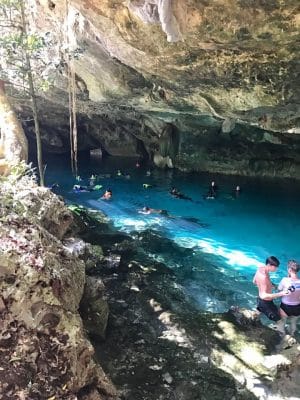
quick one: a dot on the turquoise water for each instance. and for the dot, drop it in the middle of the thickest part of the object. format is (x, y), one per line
(215, 255)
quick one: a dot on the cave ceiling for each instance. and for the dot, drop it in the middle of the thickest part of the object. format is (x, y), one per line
(197, 64)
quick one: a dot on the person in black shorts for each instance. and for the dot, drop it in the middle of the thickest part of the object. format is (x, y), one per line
(265, 287)
(290, 304)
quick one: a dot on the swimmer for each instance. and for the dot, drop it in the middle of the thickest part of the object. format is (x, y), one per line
(147, 210)
(80, 189)
(92, 180)
(265, 287)
(119, 173)
(176, 193)
(148, 173)
(97, 187)
(107, 195)
(212, 191)
(137, 164)
(290, 303)
(147, 186)
(237, 191)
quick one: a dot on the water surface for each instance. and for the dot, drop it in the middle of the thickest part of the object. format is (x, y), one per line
(214, 246)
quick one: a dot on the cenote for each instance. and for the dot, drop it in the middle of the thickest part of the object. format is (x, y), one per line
(213, 246)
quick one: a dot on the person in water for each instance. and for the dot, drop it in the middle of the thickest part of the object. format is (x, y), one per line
(265, 298)
(107, 195)
(176, 193)
(236, 192)
(212, 191)
(290, 303)
(147, 185)
(92, 180)
(81, 189)
(147, 210)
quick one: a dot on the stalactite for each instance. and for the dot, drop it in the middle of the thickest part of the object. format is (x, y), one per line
(169, 141)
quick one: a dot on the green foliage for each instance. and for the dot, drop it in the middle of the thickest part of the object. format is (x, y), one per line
(22, 169)
(33, 43)
(10, 4)
(17, 172)
(18, 40)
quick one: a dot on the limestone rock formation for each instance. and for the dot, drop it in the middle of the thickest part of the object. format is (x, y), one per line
(143, 64)
(13, 142)
(43, 347)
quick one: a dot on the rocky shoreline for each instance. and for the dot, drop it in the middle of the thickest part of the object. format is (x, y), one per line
(152, 343)
(159, 346)
(44, 351)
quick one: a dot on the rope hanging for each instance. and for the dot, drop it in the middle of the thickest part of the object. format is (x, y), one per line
(72, 99)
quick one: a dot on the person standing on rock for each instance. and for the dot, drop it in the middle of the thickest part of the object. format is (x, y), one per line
(265, 299)
(290, 304)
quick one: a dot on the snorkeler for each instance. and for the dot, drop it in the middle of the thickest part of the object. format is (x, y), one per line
(147, 210)
(81, 189)
(237, 191)
(212, 191)
(92, 180)
(176, 193)
(96, 187)
(147, 185)
(107, 195)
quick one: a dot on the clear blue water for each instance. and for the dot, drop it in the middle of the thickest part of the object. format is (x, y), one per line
(215, 263)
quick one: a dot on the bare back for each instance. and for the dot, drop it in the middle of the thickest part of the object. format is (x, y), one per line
(263, 282)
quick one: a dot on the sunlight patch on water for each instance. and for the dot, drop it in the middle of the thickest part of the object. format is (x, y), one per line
(232, 257)
(127, 224)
